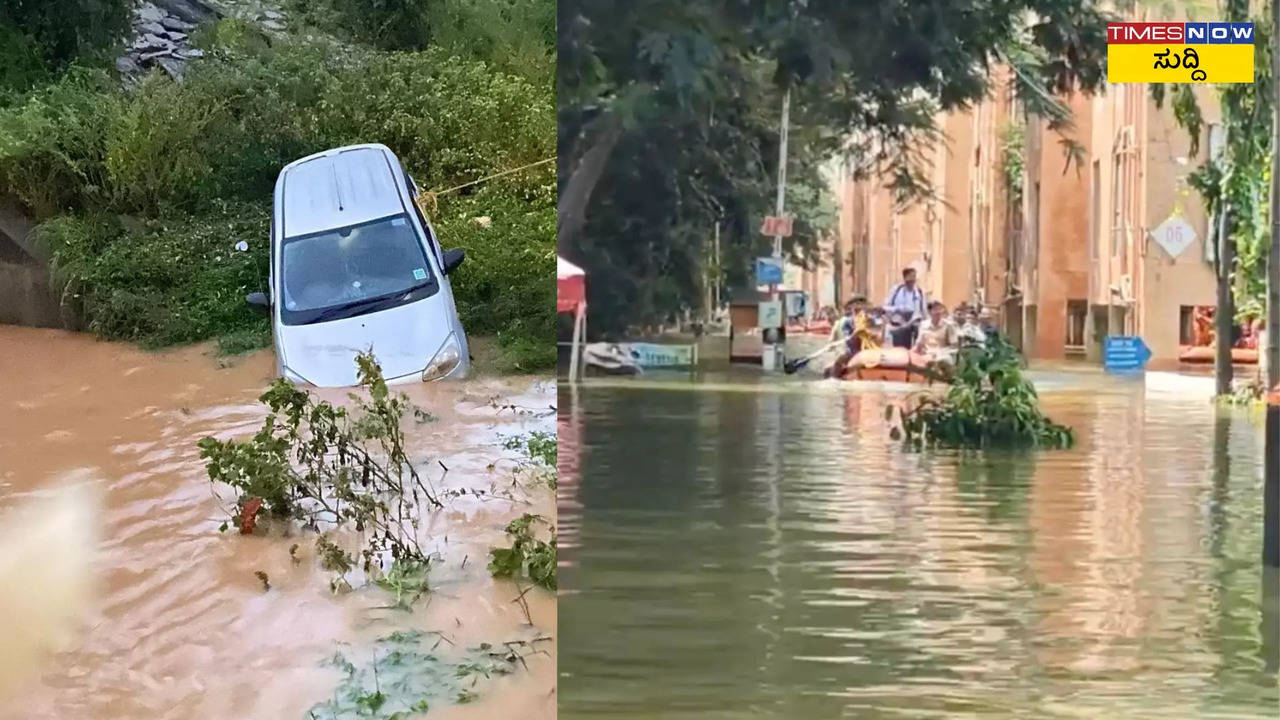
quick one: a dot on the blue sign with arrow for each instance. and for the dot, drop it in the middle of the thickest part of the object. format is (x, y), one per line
(1125, 354)
(768, 271)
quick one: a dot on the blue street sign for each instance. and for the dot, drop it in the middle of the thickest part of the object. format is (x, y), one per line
(1125, 353)
(768, 271)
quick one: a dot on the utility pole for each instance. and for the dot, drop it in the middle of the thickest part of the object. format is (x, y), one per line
(1222, 370)
(773, 350)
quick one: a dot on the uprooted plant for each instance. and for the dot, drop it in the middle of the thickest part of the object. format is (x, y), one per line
(528, 555)
(539, 456)
(990, 404)
(330, 468)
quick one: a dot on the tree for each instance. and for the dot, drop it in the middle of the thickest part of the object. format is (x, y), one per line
(1236, 186)
(674, 105)
(64, 29)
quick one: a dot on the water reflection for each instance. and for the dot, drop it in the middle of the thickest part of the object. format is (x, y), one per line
(772, 554)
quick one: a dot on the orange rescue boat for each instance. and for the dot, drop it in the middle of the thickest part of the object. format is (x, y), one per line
(892, 364)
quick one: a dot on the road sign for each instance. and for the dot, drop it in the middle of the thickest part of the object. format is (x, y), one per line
(1125, 353)
(1175, 235)
(768, 271)
(775, 226)
(770, 314)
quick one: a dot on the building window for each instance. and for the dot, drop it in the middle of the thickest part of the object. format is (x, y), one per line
(1077, 313)
(1186, 324)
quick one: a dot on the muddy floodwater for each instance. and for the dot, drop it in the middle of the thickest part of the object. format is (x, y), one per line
(179, 626)
(737, 548)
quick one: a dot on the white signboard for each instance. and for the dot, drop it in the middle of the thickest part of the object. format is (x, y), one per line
(1175, 235)
(796, 304)
(656, 356)
(770, 314)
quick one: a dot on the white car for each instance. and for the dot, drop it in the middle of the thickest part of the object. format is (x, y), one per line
(355, 266)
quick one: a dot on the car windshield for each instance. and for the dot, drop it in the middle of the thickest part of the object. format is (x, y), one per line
(354, 270)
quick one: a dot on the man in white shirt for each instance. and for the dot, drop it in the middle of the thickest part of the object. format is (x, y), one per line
(906, 300)
(938, 336)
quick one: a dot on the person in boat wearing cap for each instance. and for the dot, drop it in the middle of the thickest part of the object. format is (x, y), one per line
(858, 329)
(906, 309)
(938, 336)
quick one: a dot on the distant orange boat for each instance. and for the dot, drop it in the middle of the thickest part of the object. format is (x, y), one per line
(1205, 354)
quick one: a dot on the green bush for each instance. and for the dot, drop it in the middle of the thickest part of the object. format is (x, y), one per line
(989, 404)
(507, 287)
(165, 282)
(196, 163)
(516, 36)
(63, 30)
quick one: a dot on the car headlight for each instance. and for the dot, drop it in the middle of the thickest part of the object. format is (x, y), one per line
(445, 361)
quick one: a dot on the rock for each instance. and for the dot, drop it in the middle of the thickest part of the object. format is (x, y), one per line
(154, 42)
(175, 36)
(147, 58)
(152, 28)
(192, 11)
(174, 66)
(272, 15)
(273, 25)
(126, 65)
(150, 13)
(190, 53)
(173, 23)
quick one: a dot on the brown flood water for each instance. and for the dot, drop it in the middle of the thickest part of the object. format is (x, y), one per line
(178, 625)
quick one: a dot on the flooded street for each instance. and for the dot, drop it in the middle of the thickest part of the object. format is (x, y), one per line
(736, 549)
(180, 626)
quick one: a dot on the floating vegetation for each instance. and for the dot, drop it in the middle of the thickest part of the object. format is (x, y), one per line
(528, 555)
(409, 673)
(539, 450)
(990, 404)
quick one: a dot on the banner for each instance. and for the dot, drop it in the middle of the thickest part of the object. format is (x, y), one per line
(650, 355)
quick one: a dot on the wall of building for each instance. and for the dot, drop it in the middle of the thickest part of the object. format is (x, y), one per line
(1060, 232)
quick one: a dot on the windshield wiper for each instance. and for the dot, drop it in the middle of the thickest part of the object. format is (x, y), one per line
(361, 307)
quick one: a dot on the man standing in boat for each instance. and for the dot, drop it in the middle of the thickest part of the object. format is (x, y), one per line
(906, 308)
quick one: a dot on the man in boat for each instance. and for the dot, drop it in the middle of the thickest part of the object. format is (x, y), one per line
(906, 309)
(967, 326)
(859, 331)
(938, 337)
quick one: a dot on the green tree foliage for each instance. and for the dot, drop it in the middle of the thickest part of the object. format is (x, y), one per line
(144, 193)
(1239, 180)
(669, 115)
(53, 33)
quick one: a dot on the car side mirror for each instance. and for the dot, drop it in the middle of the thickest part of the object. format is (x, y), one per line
(258, 299)
(453, 257)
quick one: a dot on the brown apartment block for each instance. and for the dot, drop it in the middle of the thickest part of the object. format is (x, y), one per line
(1071, 248)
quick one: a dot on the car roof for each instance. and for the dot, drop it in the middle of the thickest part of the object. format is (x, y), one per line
(337, 188)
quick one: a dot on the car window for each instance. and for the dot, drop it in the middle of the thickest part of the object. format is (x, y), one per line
(352, 267)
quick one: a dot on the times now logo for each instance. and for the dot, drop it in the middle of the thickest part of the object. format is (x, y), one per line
(1149, 33)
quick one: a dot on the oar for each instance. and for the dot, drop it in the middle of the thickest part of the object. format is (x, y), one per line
(793, 365)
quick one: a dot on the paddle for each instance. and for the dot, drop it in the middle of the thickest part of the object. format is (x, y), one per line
(791, 366)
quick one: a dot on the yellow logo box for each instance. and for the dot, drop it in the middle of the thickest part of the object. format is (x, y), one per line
(1178, 63)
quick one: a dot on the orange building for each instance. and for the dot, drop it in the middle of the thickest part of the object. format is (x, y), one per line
(1115, 243)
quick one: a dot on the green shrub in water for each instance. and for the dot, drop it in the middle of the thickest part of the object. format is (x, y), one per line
(989, 404)
(194, 164)
(527, 555)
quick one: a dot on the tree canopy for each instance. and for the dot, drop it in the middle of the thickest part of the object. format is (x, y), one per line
(669, 117)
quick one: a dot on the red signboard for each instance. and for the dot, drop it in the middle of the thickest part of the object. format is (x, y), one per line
(776, 227)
